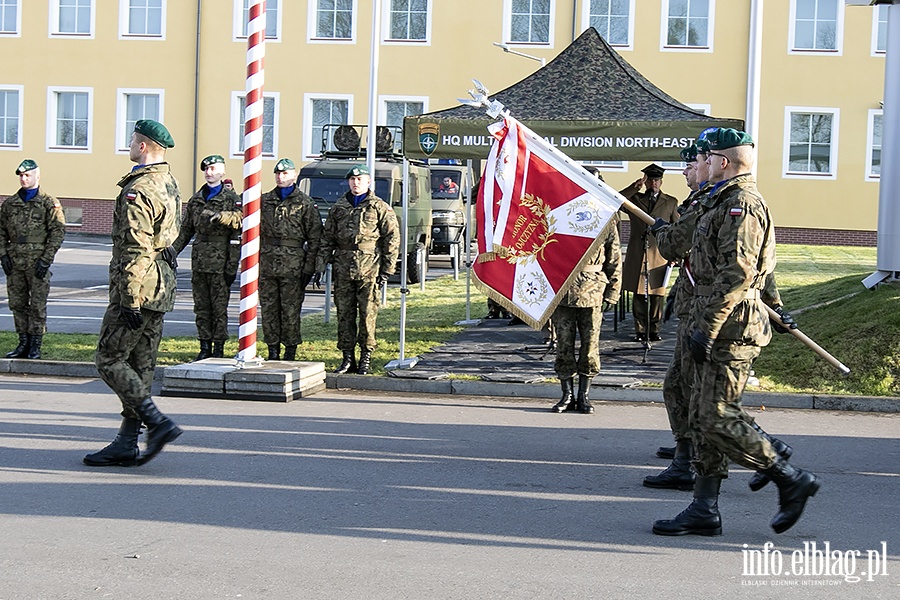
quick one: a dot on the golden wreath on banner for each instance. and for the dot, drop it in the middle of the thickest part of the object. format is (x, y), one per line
(543, 223)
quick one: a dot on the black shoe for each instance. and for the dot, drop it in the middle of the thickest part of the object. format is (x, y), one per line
(348, 364)
(654, 337)
(583, 401)
(123, 451)
(516, 321)
(760, 479)
(678, 475)
(795, 487)
(290, 353)
(34, 347)
(365, 359)
(566, 401)
(638, 337)
(218, 350)
(160, 430)
(666, 452)
(701, 517)
(274, 351)
(205, 350)
(20, 351)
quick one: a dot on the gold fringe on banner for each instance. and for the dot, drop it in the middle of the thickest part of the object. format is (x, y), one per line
(487, 257)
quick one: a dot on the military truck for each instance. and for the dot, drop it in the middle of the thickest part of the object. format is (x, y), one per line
(325, 181)
(451, 205)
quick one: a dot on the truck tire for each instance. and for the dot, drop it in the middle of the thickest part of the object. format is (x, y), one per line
(412, 268)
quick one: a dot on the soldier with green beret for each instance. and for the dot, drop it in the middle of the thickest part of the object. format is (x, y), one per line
(731, 260)
(212, 218)
(290, 231)
(146, 219)
(32, 228)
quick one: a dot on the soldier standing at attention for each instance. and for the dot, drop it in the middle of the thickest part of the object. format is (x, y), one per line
(732, 257)
(213, 219)
(362, 242)
(146, 219)
(32, 227)
(290, 232)
(595, 290)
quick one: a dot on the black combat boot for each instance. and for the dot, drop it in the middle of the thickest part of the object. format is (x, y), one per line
(584, 391)
(34, 346)
(795, 487)
(760, 479)
(160, 430)
(290, 352)
(123, 452)
(678, 475)
(218, 350)
(667, 452)
(20, 351)
(701, 517)
(566, 402)
(205, 350)
(348, 365)
(365, 359)
(274, 351)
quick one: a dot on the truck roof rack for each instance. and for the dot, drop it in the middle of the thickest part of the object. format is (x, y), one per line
(349, 141)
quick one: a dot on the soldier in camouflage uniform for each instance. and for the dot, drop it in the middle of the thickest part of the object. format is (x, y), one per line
(362, 242)
(594, 291)
(146, 219)
(32, 227)
(290, 232)
(732, 255)
(213, 219)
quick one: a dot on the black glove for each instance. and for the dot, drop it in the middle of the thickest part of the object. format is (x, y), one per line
(230, 276)
(606, 305)
(7, 264)
(657, 225)
(169, 255)
(700, 346)
(40, 268)
(786, 318)
(305, 278)
(132, 317)
(381, 280)
(317, 280)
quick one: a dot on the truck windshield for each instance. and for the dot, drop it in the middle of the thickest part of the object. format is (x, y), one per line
(444, 184)
(325, 191)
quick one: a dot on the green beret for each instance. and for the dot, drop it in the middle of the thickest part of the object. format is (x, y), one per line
(722, 139)
(653, 171)
(357, 171)
(285, 164)
(689, 153)
(156, 131)
(702, 146)
(212, 159)
(25, 166)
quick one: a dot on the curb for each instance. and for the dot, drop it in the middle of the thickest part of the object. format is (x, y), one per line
(530, 391)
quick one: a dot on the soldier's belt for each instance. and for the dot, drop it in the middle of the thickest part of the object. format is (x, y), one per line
(593, 269)
(202, 237)
(282, 242)
(707, 290)
(364, 246)
(29, 239)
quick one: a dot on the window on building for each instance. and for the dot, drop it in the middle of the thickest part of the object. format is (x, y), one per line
(678, 165)
(334, 19)
(395, 110)
(143, 17)
(71, 119)
(9, 16)
(880, 34)
(873, 160)
(408, 20)
(812, 142)
(529, 21)
(72, 17)
(688, 24)
(816, 25)
(325, 111)
(273, 16)
(10, 115)
(612, 19)
(131, 107)
(269, 131)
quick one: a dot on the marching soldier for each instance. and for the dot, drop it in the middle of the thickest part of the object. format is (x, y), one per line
(362, 242)
(213, 219)
(32, 227)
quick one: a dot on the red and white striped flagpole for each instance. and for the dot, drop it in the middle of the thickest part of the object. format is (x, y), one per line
(253, 116)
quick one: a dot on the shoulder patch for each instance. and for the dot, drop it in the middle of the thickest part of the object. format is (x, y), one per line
(736, 211)
(130, 195)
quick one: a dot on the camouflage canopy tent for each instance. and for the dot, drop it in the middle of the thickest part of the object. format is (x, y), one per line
(588, 101)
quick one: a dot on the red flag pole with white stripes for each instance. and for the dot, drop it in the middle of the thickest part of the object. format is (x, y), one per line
(253, 116)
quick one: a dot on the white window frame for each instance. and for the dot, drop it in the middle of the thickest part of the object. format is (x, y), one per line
(54, 22)
(870, 135)
(586, 22)
(386, 38)
(875, 19)
(52, 111)
(237, 33)
(664, 32)
(312, 38)
(18, 30)
(383, 102)
(839, 34)
(122, 113)
(124, 13)
(21, 90)
(308, 115)
(507, 28)
(833, 154)
(237, 120)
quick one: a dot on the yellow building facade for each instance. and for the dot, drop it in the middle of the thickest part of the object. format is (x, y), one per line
(77, 73)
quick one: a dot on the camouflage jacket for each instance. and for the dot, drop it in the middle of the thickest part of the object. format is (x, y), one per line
(212, 252)
(146, 220)
(601, 277)
(363, 241)
(31, 230)
(732, 256)
(290, 233)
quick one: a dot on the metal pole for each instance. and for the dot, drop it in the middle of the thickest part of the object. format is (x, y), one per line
(470, 181)
(373, 91)
(402, 362)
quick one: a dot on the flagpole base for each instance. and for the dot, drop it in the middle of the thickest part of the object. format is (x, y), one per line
(406, 363)
(468, 322)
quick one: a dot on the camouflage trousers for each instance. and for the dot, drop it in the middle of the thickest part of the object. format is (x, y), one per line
(28, 300)
(126, 358)
(586, 322)
(640, 308)
(211, 296)
(721, 429)
(280, 300)
(356, 298)
(678, 383)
